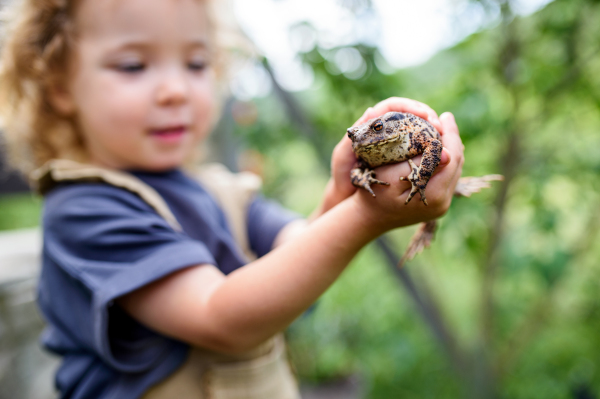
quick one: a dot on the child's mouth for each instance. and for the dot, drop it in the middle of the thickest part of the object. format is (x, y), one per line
(170, 134)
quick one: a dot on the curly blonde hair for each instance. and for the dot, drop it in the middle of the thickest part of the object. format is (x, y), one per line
(37, 45)
(36, 49)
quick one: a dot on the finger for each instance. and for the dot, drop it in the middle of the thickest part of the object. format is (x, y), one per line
(365, 117)
(400, 104)
(449, 122)
(445, 158)
(343, 161)
(343, 151)
(415, 107)
(432, 116)
(396, 104)
(453, 147)
(451, 138)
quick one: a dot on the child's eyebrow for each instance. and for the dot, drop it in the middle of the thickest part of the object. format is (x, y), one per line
(201, 43)
(140, 44)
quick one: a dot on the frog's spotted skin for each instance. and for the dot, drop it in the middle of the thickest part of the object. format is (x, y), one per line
(392, 138)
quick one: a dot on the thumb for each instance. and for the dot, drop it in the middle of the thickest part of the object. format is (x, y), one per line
(365, 117)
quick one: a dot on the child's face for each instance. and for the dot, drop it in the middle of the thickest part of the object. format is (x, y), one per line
(141, 87)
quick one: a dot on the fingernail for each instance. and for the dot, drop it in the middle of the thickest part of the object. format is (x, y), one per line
(360, 120)
(448, 115)
(445, 160)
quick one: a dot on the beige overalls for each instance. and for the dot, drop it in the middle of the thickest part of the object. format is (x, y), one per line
(263, 373)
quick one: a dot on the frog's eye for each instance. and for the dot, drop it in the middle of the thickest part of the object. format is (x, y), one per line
(378, 126)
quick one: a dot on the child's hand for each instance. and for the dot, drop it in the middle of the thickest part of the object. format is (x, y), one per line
(343, 158)
(388, 209)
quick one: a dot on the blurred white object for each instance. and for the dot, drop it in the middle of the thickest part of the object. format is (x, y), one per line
(20, 254)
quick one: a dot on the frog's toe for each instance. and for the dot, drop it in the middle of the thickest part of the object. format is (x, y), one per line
(367, 187)
(412, 193)
(364, 179)
(372, 180)
(416, 188)
(420, 240)
(418, 184)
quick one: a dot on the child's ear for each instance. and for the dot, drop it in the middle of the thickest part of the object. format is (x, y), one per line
(61, 100)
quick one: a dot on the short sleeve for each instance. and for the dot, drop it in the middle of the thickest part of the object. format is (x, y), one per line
(109, 243)
(265, 219)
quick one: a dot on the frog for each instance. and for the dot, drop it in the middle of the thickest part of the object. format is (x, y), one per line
(397, 137)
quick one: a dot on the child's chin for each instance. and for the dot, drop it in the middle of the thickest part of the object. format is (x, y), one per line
(162, 165)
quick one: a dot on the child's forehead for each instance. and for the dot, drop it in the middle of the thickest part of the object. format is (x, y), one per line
(143, 18)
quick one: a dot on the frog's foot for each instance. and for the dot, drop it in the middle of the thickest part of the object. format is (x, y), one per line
(471, 185)
(417, 181)
(363, 178)
(419, 241)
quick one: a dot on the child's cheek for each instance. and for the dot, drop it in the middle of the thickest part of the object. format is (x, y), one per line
(205, 103)
(126, 108)
(108, 99)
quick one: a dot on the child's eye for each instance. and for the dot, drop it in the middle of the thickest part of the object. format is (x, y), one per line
(197, 65)
(133, 67)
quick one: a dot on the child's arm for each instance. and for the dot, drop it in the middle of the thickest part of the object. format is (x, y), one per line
(234, 313)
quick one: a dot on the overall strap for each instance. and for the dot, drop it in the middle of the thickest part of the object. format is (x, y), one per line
(60, 170)
(234, 193)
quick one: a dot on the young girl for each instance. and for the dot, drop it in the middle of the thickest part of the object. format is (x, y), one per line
(142, 284)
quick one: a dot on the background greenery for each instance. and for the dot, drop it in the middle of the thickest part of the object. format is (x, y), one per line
(513, 276)
(19, 211)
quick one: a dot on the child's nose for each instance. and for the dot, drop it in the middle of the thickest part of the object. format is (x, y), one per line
(173, 89)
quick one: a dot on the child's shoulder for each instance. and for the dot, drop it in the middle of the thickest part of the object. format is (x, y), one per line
(79, 191)
(85, 204)
(90, 195)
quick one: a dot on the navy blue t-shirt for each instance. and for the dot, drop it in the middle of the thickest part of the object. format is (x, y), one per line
(101, 242)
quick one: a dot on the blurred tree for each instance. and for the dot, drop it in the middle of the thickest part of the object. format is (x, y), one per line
(510, 288)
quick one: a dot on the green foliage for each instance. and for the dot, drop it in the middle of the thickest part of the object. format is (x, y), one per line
(19, 211)
(526, 96)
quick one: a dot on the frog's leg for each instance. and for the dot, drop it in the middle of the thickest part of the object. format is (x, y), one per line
(419, 241)
(419, 176)
(470, 185)
(363, 177)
